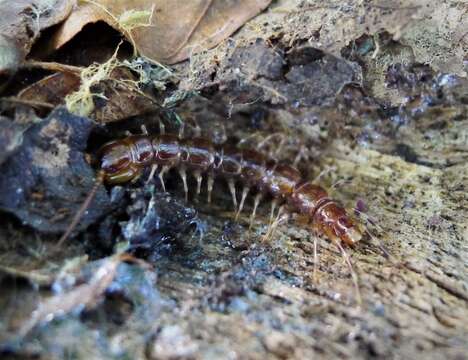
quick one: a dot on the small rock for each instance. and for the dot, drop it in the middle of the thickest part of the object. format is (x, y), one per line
(47, 179)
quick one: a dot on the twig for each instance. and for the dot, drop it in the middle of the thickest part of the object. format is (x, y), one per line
(53, 66)
(32, 103)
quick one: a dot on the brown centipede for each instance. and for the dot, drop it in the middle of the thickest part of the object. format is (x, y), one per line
(126, 159)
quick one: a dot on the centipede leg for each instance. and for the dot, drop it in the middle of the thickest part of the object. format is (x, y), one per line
(351, 270)
(272, 210)
(299, 156)
(181, 130)
(280, 217)
(269, 138)
(280, 147)
(154, 167)
(161, 176)
(270, 222)
(196, 129)
(198, 178)
(183, 176)
(209, 186)
(248, 140)
(232, 189)
(257, 199)
(245, 191)
(162, 128)
(323, 173)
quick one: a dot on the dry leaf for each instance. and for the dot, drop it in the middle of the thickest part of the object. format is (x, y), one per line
(21, 24)
(120, 101)
(163, 31)
(110, 100)
(219, 22)
(167, 34)
(51, 89)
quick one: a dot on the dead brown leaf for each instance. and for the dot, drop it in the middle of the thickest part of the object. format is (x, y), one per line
(121, 101)
(51, 89)
(21, 23)
(163, 31)
(165, 36)
(219, 21)
(115, 102)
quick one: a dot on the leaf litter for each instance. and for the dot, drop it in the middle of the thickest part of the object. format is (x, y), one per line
(371, 111)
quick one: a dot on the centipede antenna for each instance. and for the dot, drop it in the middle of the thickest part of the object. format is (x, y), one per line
(154, 167)
(232, 189)
(198, 178)
(374, 239)
(209, 186)
(368, 219)
(161, 176)
(380, 246)
(257, 199)
(245, 191)
(79, 214)
(183, 176)
(280, 146)
(351, 270)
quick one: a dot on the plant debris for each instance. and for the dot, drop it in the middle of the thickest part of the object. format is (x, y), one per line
(86, 296)
(181, 29)
(21, 24)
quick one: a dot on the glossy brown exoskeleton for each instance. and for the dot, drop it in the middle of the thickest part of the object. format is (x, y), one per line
(125, 160)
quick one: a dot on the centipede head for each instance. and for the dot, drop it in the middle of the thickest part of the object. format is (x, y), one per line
(116, 163)
(338, 226)
(350, 231)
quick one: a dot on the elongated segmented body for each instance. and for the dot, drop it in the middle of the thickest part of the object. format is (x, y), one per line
(125, 160)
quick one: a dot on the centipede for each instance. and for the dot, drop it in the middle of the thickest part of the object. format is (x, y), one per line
(126, 159)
